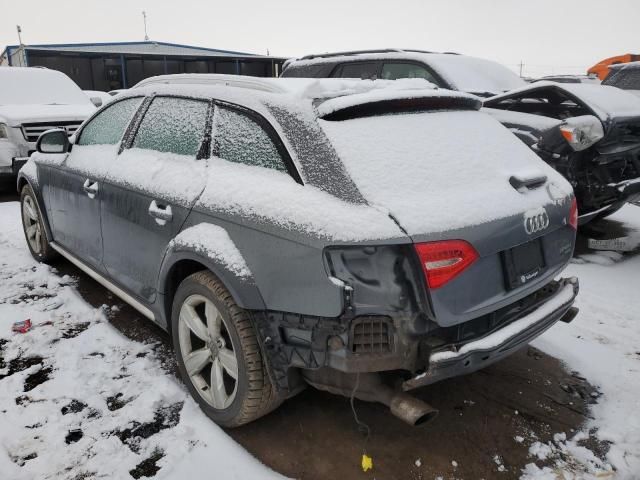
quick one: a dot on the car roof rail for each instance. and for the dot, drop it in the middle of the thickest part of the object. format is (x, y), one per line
(352, 52)
(364, 52)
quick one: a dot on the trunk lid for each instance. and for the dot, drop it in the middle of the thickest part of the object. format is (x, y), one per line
(446, 175)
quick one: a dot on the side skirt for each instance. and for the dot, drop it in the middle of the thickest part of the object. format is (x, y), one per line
(104, 282)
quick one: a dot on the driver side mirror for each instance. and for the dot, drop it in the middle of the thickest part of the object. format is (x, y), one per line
(53, 141)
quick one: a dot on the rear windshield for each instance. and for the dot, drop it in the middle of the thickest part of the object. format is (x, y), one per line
(438, 170)
(31, 86)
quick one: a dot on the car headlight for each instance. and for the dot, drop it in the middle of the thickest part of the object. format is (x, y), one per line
(3, 131)
(582, 132)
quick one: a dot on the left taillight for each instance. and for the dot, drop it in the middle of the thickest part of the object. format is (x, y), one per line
(573, 214)
(445, 260)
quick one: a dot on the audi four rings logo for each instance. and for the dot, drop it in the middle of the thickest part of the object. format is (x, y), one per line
(535, 222)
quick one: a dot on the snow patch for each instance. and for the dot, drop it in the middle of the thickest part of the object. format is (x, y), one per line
(74, 371)
(214, 242)
(274, 197)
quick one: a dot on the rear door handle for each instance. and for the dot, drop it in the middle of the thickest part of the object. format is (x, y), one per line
(162, 213)
(90, 188)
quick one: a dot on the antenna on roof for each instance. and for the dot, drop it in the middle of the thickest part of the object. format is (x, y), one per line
(144, 16)
(19, 36)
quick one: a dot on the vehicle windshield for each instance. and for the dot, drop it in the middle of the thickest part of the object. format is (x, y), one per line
(475, 75)
(34, 86)
(625, 78)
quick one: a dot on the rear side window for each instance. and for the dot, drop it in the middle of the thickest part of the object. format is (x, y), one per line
(107, 127)
(361, 70)
(173, 125)
(394, 71)
(238, 138)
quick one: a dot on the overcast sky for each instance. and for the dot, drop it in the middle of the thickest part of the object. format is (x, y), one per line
(548, 36)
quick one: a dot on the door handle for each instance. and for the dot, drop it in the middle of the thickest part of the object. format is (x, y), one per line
(91, 188)
(162, 213)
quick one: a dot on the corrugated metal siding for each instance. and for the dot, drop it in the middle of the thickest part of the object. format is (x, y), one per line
(143, 48)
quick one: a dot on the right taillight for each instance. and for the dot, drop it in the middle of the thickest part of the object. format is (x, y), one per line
(573, 214)
(443, 261)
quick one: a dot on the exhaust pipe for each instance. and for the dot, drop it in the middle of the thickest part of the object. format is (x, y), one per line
(411, 410)
(369, 388)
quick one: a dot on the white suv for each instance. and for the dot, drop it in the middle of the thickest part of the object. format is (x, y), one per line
(33, 100)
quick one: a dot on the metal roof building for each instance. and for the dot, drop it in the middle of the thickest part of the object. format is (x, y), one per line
(110, 66)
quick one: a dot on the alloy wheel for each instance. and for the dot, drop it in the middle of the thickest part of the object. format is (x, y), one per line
(207, 351)
(31, 224)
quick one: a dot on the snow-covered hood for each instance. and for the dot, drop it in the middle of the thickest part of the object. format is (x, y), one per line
(605, 102)
(15, 115)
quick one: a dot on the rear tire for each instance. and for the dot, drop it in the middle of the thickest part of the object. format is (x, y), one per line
(214, 339)
(33, 227)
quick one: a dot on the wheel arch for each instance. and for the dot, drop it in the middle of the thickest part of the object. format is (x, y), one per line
(22, 181)
(179, 264)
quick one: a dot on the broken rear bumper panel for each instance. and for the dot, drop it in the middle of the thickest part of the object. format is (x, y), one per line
(482, 352)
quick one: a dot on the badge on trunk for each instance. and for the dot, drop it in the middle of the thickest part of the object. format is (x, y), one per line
(536, 220)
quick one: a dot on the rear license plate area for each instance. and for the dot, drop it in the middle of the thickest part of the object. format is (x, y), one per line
(523, 264)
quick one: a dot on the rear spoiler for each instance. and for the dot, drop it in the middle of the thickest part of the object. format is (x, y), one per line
(379, 102)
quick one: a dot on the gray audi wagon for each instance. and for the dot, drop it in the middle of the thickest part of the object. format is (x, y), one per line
(359, 237)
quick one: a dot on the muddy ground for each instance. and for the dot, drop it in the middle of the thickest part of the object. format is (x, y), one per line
(487, 419)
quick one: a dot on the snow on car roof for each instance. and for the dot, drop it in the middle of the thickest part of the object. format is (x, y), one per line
(328, 94)
(405, 89)
(463, 72)
(604, 100)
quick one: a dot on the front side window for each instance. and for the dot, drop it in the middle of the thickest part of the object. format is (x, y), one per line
(173, 125)
(361, 70)
(238, 138)
(108, 126)
(394, 71)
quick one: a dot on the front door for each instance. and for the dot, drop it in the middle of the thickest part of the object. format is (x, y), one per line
(150, 189)
(73, 187)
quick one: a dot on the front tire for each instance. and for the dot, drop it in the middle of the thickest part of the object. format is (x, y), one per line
(33, 227)
(218, 353)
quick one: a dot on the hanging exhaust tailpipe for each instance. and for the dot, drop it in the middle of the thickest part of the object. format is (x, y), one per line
(411, 410)
(369, 388)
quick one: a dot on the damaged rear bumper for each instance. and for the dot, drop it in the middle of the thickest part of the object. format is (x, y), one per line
(482, 352)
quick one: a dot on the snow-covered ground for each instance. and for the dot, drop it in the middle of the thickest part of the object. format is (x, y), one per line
(108, 407)
(603, 345)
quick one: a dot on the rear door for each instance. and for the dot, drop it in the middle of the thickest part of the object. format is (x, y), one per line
(73, 187)
(150, 189)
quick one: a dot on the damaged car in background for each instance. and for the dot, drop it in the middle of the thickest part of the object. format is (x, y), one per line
(258, 221)
(589, 133)
(594, 142)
